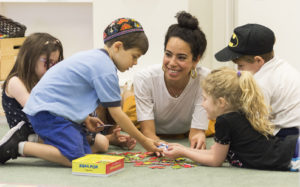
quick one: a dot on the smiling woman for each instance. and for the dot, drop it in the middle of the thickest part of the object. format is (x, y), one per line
(168, 97)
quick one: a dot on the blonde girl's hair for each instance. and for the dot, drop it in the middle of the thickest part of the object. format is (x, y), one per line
(241, 92)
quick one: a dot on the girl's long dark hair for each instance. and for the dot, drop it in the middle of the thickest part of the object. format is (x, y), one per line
(34, 46)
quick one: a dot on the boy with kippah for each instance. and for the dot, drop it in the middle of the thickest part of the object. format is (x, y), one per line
(70, 91)
(251, 48)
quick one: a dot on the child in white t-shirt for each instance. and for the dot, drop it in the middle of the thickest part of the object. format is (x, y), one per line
(251, 48)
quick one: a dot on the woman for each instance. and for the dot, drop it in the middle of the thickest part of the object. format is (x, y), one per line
(168, 98)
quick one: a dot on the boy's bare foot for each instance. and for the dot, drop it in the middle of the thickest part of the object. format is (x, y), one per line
(121, 140)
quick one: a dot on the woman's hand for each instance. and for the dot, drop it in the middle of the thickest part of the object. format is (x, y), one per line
(197, 139)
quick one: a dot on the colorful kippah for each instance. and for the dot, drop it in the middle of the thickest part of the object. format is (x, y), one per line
(120, 27)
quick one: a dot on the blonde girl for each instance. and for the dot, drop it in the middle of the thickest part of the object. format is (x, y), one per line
(243, 132)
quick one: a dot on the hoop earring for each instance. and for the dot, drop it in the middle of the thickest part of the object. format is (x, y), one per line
(193, 73)
(163, 68)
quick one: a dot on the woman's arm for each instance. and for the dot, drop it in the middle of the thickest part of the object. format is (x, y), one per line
(212, 157)
(148, 129)
(199, 123)
(16, 89)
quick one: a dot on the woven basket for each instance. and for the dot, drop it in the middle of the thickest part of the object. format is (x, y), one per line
(11, 28)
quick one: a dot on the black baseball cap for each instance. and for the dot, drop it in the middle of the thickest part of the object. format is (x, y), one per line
(249, 39)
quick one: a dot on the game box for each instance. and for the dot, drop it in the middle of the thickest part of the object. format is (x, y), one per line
(97, 165)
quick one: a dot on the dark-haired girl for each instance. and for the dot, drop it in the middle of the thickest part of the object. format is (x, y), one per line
(39, 52)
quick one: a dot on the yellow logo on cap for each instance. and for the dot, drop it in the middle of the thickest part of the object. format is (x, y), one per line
(234, 41)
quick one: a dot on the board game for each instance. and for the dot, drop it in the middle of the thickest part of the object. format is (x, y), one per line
(97, 165)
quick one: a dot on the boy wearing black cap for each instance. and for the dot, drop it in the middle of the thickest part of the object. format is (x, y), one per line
(67, 94)
(251, 48)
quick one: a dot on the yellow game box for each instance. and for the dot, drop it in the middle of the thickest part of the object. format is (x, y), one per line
(97, 165)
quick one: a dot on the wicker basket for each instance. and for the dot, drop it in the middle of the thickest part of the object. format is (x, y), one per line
(11, 28)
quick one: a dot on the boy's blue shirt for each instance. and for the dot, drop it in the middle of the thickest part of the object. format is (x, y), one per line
(76, 86)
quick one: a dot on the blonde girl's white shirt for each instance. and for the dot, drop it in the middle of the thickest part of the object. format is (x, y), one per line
(171, 115)
(280, 83)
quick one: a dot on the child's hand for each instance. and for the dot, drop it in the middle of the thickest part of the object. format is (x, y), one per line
(130, 143)
(122, 140)
(151, 145)
(176, 144)
(160, 142)
(94, 124)
(174, 151)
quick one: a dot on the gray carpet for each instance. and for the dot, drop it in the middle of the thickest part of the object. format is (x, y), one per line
(29, 172)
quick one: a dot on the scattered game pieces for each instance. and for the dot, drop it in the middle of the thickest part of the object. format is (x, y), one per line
(157, 167)
(147, 159)
(176, 166)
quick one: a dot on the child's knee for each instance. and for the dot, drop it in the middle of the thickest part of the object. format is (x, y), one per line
(101, 144)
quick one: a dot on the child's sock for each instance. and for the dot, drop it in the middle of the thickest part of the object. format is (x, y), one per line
(21, 148)
(33, 138)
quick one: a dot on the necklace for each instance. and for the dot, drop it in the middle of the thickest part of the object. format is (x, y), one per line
(175, 93)
(173, 89)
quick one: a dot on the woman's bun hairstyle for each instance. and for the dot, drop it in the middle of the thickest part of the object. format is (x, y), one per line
(188, 30)
(187, 20)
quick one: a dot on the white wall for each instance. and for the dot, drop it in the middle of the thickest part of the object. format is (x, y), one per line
(283, 17)
(155, 16)
(80, 25)
(222, 27)
(202, 11)
(72, 23)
